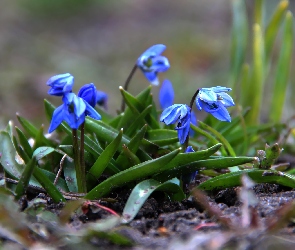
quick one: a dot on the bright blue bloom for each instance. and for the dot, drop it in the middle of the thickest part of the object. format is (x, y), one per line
(60, 84)
(89, 94)
(166, 94)
(73, 111)
(101, 98)
(181, 114)
(188, 178)
(215, 101)
(194, 122)
(151, 62)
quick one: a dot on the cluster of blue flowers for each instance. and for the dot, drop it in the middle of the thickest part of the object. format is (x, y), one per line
(213, 100)
(74, 107)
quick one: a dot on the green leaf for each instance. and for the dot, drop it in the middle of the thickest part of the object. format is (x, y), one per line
(230, 151)
(104, 159)
(108, 134)
(136, 172)
(259, 12)
(138, 121)
(48, 186)
(70, 174)
(41, 152)
(39, 138)
(283, 70)
(239, 39)
(127, 116)
(24, 180)
(131, 159)
(259, 176)
(33, 131)
(162, 137)
(143, 190)
(137, 105)
(8, 154)
(257, 79)
(273, 27)
(133, 146)
(24, 142)
(216, 163)
(211, 138)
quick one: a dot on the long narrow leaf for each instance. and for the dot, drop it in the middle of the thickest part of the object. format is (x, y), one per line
(257, 175)
(282, 72)
(143, 190)
(142, 170)
(239, 39)
(104, 159)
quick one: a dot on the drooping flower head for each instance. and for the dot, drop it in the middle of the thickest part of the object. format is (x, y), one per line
(89, 94)
(151, 62)
(60, 84)
(166, 94)
(181, 114)
(215, 101)
(72, 111)
(188, 178)
(102, 99)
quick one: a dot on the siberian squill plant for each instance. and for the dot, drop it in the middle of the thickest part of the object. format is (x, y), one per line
(94, 153)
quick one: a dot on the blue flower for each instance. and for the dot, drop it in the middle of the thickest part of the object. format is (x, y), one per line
(89, 94)
(101, 98)
(188, 178)
(181, 114)
(215, 101)
(166, 94)
(151, 62)
(73, 111)
(60, 84)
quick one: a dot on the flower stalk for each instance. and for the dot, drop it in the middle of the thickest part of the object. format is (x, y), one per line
(80, 174)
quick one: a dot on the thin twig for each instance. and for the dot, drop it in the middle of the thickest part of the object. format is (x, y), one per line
(60, 169)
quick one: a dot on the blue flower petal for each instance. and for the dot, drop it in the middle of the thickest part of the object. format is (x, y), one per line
(92, 112)
(189, 149)
(219, 89)
(166, 94)
(57, 118)
(207, 95)
(101, 98)
(159, 64)
(154, 50)
(226, 99)
(222, 114)
(60, 84)
(152, 77)
(171, 114)
(209, 107)
(88, 93)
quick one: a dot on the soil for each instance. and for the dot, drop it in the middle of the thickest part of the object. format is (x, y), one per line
(161, 224)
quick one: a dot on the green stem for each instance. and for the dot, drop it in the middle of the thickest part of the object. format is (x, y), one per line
(79, 171)
(127, 84)
(82, 159)
(191, 107)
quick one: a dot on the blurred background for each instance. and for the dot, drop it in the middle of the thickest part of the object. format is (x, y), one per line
(99, 41)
